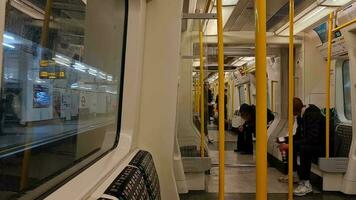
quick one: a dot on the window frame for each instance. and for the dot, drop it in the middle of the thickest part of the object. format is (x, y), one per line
(63, 176)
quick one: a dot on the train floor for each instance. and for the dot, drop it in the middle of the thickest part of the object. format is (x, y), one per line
(240, 177)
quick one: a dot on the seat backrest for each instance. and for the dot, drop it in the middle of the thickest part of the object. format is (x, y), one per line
(144, 162)
(129, 185)
(344, 134)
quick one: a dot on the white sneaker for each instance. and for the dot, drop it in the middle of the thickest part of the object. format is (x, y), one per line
(303, 189)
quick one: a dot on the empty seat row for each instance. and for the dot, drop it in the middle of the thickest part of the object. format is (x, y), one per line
(138, 180)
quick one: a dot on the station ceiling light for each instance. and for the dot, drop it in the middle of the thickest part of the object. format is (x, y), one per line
(314, 13)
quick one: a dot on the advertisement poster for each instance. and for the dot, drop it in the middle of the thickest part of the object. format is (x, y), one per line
(41, 98)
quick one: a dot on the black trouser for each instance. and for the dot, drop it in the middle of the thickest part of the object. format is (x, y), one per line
(306, 154)
(244, 141)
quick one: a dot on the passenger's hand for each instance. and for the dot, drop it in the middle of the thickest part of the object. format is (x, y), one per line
(241, 128)
(283, 147)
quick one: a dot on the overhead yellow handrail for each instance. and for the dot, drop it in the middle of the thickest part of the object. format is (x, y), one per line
(327, 105)
(202, 91)
(221, 101)
(344, 25)
(261, 98)
(290, 99)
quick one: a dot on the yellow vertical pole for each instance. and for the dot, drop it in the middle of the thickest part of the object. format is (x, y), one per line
(221, 102)
(202, 105)
(327, 107)
(46, 21)
(290, 99)
(44, 41)
(261, 100)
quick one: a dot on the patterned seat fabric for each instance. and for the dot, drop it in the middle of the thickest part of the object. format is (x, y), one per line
(143, 160)
(129, 185)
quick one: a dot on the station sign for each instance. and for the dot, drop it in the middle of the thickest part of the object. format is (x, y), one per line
(50, 70)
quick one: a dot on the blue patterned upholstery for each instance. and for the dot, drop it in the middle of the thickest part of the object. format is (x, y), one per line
(129, 185)
(144, 162)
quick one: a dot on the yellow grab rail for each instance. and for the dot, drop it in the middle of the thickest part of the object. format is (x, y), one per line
(327, 105)
(221, 101)
(290, 99)
(261, 98)
(344, 25)
(202, 105)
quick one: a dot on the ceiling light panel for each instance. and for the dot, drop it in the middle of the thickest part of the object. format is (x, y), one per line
(211, 28)
(228, 2)
(305, 20)
(333, 2)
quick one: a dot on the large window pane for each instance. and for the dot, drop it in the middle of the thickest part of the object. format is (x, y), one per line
(60, 96)
(347, 89)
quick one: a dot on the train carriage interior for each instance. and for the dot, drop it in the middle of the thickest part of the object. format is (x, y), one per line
(169, 99)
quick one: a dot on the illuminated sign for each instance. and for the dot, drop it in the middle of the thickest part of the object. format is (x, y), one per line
(49, 70)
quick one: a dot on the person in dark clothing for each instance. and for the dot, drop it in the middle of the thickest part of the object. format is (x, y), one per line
(225, 103)
(207, 104)
(248, 129)
(308, 141)
(210, 104)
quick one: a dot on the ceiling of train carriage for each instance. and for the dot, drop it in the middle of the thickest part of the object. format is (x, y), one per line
(238, 15)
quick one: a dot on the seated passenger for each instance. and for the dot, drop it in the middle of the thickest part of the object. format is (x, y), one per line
(248, 129)
(309, 142)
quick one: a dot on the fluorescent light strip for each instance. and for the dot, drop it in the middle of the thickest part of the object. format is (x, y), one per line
(62, 63)
(8, 45)
(62, 58)
(8, 37)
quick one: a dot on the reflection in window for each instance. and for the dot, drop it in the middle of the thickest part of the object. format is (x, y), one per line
(347, 89)
(241, 95)
(60, 98)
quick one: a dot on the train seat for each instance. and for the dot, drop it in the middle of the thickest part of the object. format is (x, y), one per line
(129, 185)
(144, 162)
(338, 161)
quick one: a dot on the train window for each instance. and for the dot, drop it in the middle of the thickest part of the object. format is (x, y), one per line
(347, 89)
(61, 91)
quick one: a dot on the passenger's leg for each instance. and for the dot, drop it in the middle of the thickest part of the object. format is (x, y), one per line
(306, 156)
(240, 141)
(248, 142)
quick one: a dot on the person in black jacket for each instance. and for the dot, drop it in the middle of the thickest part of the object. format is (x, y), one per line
(248, 129)
(309, 142)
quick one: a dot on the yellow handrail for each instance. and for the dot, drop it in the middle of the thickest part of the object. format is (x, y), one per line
(327, 106)
(221, 102)
(261, 98)
(344, 25)
(202, 105)
(290, 99)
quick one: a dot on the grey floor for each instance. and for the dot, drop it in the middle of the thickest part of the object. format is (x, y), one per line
(240, 176)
